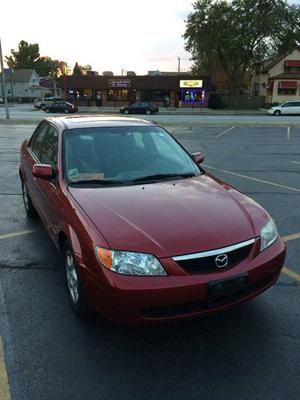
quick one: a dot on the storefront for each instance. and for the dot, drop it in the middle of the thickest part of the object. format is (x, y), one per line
(192, 92)
(161, 90)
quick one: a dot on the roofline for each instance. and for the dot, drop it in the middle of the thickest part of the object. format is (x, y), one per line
(279, 58)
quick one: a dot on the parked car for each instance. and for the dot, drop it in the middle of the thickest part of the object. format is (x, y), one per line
(139, 108)
(288, 107)
(60, 107)
(147, 235)
(46, 101)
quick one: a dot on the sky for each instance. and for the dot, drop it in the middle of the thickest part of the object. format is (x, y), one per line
(136, 35)
(109, 35)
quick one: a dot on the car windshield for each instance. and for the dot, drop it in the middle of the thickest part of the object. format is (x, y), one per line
(124, 155)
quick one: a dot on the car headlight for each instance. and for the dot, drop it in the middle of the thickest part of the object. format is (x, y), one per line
(130, 263)
(268, 235)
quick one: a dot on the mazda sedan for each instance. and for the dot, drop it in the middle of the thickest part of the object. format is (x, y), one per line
(147, 235)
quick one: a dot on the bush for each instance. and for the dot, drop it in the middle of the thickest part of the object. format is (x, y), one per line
(215, 102)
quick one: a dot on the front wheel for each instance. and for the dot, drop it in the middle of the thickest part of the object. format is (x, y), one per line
(126, 112)
(74, 285)
(277, 113)
(47, 110)
(28, 205)
(148, 112)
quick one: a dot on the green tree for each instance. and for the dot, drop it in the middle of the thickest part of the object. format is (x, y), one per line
(235, 36)
(28, 56)
(25, 57)
(77, 70)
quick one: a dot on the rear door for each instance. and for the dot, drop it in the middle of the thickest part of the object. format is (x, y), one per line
(287, 108)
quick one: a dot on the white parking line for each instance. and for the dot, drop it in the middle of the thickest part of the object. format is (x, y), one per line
(296, 162)
(14, 234)
(222, 133)
(288, 132)
(4, 386)
(254, 179)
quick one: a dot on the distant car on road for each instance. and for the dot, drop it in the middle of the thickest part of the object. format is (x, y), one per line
(61, 107)
(46, 101)
(139, 108)
(147, 234)
(286, 108)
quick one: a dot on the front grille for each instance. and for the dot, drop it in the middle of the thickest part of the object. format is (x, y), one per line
(205, 264)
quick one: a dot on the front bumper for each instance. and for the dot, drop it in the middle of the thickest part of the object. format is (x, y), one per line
(144, 300)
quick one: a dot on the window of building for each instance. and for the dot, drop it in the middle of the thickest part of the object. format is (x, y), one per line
(289, 92)
(117, 95)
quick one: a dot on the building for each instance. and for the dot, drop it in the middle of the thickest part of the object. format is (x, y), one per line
(279, 79)
(23, 84)
(174, 90)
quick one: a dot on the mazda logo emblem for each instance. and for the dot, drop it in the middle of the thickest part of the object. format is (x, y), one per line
(221, 260)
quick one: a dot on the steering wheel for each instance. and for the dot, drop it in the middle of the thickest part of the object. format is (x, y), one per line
(150, 156)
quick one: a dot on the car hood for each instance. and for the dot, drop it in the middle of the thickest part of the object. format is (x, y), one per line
(171, 218)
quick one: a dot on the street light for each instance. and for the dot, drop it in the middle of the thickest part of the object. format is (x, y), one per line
(3, 83)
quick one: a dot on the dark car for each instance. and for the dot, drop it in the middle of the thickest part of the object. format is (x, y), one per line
(139, 108)
(60, 107)
(147, 235)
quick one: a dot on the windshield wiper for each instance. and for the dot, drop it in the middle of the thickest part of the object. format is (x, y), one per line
(155, 177)
(96, 182)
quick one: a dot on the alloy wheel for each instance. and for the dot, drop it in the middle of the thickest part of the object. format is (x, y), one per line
(72, 278)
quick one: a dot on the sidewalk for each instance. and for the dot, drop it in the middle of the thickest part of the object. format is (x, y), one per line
(176, 111)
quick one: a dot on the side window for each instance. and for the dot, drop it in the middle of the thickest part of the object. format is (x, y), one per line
(37, 139)
(49, 151)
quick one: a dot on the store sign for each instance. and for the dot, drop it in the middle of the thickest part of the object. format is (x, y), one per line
(191, 83)
(119, 83)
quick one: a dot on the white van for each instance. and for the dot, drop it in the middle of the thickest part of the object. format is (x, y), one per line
(288, 107)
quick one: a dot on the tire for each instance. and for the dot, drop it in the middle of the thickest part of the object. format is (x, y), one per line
(277, 113)
(126, 112)
(74, 285)
(148, 112)
(66, 111)
(47, 110)
(28, 205)
(43, 106)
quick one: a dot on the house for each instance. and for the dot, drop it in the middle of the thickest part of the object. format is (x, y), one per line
(279, 79)
(23, 84)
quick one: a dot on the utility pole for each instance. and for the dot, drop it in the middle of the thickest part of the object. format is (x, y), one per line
(179, 65)
(3, 85)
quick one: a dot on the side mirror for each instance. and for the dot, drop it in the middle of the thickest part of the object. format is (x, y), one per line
(43, 171)
(198, 158)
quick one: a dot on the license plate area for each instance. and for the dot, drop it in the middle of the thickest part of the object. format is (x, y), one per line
(225, 290)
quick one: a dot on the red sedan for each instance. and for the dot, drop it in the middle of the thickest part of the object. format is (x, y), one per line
(147, 235)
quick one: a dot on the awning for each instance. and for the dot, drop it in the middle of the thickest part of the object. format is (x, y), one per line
(292, 63)
(287, 85)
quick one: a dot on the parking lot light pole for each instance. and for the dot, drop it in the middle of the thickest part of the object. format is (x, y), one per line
(3, 83)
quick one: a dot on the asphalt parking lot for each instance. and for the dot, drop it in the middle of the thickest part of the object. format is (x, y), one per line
(251, 352)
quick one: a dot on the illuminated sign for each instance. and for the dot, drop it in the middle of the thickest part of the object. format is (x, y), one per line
(119, 83)
(191, 83)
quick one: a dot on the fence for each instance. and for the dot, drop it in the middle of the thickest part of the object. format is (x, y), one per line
(243, 101)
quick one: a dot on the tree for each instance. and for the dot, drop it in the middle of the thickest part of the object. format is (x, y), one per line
(81, 69)
(235, 36)
(28, 56)
(25, 57)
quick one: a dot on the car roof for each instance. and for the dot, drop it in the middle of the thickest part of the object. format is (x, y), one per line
(97, 121)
